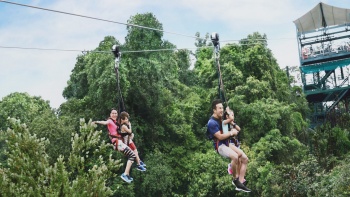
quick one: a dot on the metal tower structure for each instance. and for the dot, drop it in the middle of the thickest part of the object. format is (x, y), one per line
(323, 36)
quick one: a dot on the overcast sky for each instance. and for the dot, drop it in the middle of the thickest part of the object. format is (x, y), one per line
(45, 73)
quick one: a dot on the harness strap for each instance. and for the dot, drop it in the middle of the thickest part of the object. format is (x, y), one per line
(115, 143)
(114, 136)
(217, 145)
(125, 134)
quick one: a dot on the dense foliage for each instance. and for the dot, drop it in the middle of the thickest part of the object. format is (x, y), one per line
(61, 153)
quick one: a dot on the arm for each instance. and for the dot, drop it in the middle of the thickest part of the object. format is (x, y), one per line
(126, 129)
(231, 116)
(101, 122)
(224, 136)
(235, 126)
(228, 120)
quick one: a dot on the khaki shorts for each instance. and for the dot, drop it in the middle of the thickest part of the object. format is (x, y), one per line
(226, 151)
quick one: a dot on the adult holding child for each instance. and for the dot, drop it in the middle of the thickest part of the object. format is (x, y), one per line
(220, 141)
(118, 144)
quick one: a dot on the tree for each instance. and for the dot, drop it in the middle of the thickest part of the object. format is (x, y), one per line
(77, 85)
(186, 74)
(206, 175)
(90, 164)
(334, 183)
(160, 168)
(267, 156)
(205, 69)
(27, 170)
(143, 39)
(57, 131)
(92, 88)
(329, 144)
(21, 106)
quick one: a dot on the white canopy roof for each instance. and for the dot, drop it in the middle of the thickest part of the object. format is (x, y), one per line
(322, 15)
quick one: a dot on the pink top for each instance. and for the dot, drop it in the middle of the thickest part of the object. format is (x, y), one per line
(112, 128)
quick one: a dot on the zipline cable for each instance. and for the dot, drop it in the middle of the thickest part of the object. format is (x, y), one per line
(99, 19)
(95, 51)
(257, 39)
(40, 49)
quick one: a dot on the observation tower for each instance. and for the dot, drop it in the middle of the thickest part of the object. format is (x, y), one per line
(323, 36)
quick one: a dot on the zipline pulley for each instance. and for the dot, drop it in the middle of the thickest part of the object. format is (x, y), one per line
(117, 54)
(215, 40)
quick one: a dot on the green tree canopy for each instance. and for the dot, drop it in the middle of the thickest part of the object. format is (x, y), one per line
(27, 171)
(21, 106)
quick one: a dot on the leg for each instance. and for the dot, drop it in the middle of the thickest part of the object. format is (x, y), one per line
(137, 157)
(241, 170)
(239, 167)
(244, 162)
(131, 158)
(227, 152)
(138, 160)
(133, 148)
(239, 153)
(244, 165)
(128, 166)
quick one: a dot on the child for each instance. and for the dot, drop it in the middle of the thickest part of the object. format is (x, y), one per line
(227, 125)
(126, 132)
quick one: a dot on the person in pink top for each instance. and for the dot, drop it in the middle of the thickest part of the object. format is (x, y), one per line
(118, 144)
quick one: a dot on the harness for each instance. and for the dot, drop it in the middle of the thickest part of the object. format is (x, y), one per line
(124, 134)
(233, 139)
(118, 137)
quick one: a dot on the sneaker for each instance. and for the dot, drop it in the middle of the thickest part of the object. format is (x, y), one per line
(142, 164)
(141, 168)
(237, 189)
(229, 169)
(130, 178)
(240, 186)
(126, 178)
(245, 182)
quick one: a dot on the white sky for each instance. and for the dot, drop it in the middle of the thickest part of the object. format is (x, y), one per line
(45, 73)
